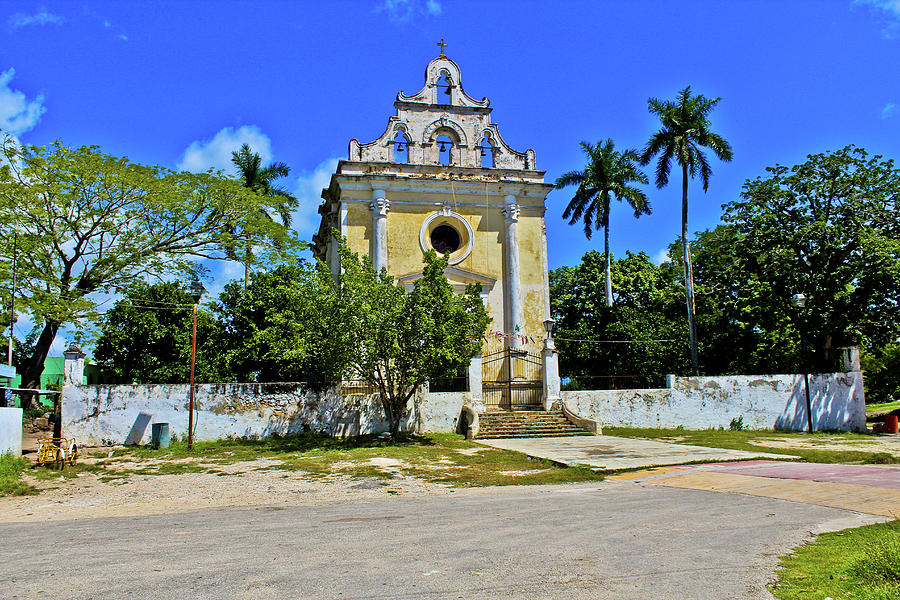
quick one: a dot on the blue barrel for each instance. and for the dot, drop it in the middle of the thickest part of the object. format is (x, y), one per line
(159, 435)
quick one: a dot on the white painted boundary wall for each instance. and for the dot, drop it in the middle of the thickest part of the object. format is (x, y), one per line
(11, 431)
(103, 415)
(764, 402)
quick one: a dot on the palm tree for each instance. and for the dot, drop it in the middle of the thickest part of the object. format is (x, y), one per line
(685, 130)
(259, 179)
(606, 175)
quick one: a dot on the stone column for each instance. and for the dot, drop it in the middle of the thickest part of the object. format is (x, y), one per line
(475, 387)
(73, 365)
(380, 207)
(849, 359)
(551, 374)
(514, 320)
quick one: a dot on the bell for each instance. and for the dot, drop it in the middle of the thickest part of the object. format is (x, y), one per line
(399, 147)
(443, 149)
(447, 91)
(482, 152)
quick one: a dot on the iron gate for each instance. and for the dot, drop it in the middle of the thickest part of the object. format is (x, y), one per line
(512, 379)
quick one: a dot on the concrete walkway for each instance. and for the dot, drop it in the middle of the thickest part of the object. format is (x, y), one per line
(870, 489)
(610, 453)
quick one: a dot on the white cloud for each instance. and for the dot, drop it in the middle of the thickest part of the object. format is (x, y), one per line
(308, 191)
(107, 24)
(17, 113)
(42, 17)
(216, 152)
(122, 37)
(660, 257)
(401, 11)
(890, 109)
(889, 10)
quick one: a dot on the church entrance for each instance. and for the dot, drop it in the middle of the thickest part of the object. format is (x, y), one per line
(512, 379)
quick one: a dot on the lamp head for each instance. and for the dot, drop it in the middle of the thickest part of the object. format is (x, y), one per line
(798, 300)
(197, 290)
(548, 326)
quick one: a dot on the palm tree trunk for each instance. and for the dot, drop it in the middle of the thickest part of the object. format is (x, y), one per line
(247, 258)
(688, 272)
(609, 297)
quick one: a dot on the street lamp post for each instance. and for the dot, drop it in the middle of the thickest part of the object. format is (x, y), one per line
(798, 301)
(197, 290)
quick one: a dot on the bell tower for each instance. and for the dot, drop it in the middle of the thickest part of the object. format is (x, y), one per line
(441, 177)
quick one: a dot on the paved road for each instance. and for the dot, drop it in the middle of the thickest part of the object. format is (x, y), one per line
(614, 539)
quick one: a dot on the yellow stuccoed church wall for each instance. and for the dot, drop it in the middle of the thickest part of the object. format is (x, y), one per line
(404, 253)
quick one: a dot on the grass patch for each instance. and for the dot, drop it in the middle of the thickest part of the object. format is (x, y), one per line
(439, 458)
(854, 564)
(756, 441)
(11, 469)
(882, 407)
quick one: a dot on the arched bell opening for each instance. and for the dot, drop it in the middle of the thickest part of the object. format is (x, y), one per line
(401, 147)
(486, 149)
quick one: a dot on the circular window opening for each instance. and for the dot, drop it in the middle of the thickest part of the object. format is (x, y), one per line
(444, 239)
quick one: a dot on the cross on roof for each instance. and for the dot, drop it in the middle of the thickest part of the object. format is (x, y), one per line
(441, 44)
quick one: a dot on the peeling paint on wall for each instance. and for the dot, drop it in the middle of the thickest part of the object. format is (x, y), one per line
(764, 402)
(104, 414)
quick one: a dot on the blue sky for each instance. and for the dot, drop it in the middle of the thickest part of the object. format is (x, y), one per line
(181, 84)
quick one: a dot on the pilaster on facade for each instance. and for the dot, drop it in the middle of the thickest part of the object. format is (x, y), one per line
(379, 207)
(515, 322)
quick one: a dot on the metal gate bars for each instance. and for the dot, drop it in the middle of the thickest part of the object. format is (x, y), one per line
(512, 379)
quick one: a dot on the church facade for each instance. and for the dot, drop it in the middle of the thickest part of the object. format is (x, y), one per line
(441, 177)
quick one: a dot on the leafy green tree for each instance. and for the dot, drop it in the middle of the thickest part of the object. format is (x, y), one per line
(606, 176)
(740, 330)
(261, 180)
(396, 340)
(828, 228)
(276, 327)
(88, 222)
(146, 337)
(685, 130)
(881, 366)
(634, 343)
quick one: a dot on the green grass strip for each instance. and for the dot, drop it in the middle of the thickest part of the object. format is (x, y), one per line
(884, 406)
(854, 564)
(11, 469)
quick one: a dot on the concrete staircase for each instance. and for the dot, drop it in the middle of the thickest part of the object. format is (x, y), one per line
(526, 423)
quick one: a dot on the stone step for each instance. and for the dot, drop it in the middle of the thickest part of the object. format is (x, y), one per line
(532, 423)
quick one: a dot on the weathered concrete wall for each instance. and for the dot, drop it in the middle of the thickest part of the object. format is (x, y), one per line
(11, 431)
(764, 402)
(105, 414)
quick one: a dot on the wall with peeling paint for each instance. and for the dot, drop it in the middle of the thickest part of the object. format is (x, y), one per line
(764, 402)
(104, 415)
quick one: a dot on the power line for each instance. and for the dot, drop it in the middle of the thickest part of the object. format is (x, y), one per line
(613, 341)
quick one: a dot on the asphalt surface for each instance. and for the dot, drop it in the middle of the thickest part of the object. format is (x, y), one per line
(614, 539)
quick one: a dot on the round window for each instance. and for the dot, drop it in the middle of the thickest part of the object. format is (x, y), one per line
(447, 232)
(444, 239)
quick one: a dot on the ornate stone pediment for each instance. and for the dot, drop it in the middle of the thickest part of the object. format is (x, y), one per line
(458, 278)
(442, 108)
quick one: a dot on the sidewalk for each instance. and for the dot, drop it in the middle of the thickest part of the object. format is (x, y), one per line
(610, 453)
(871, 489)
